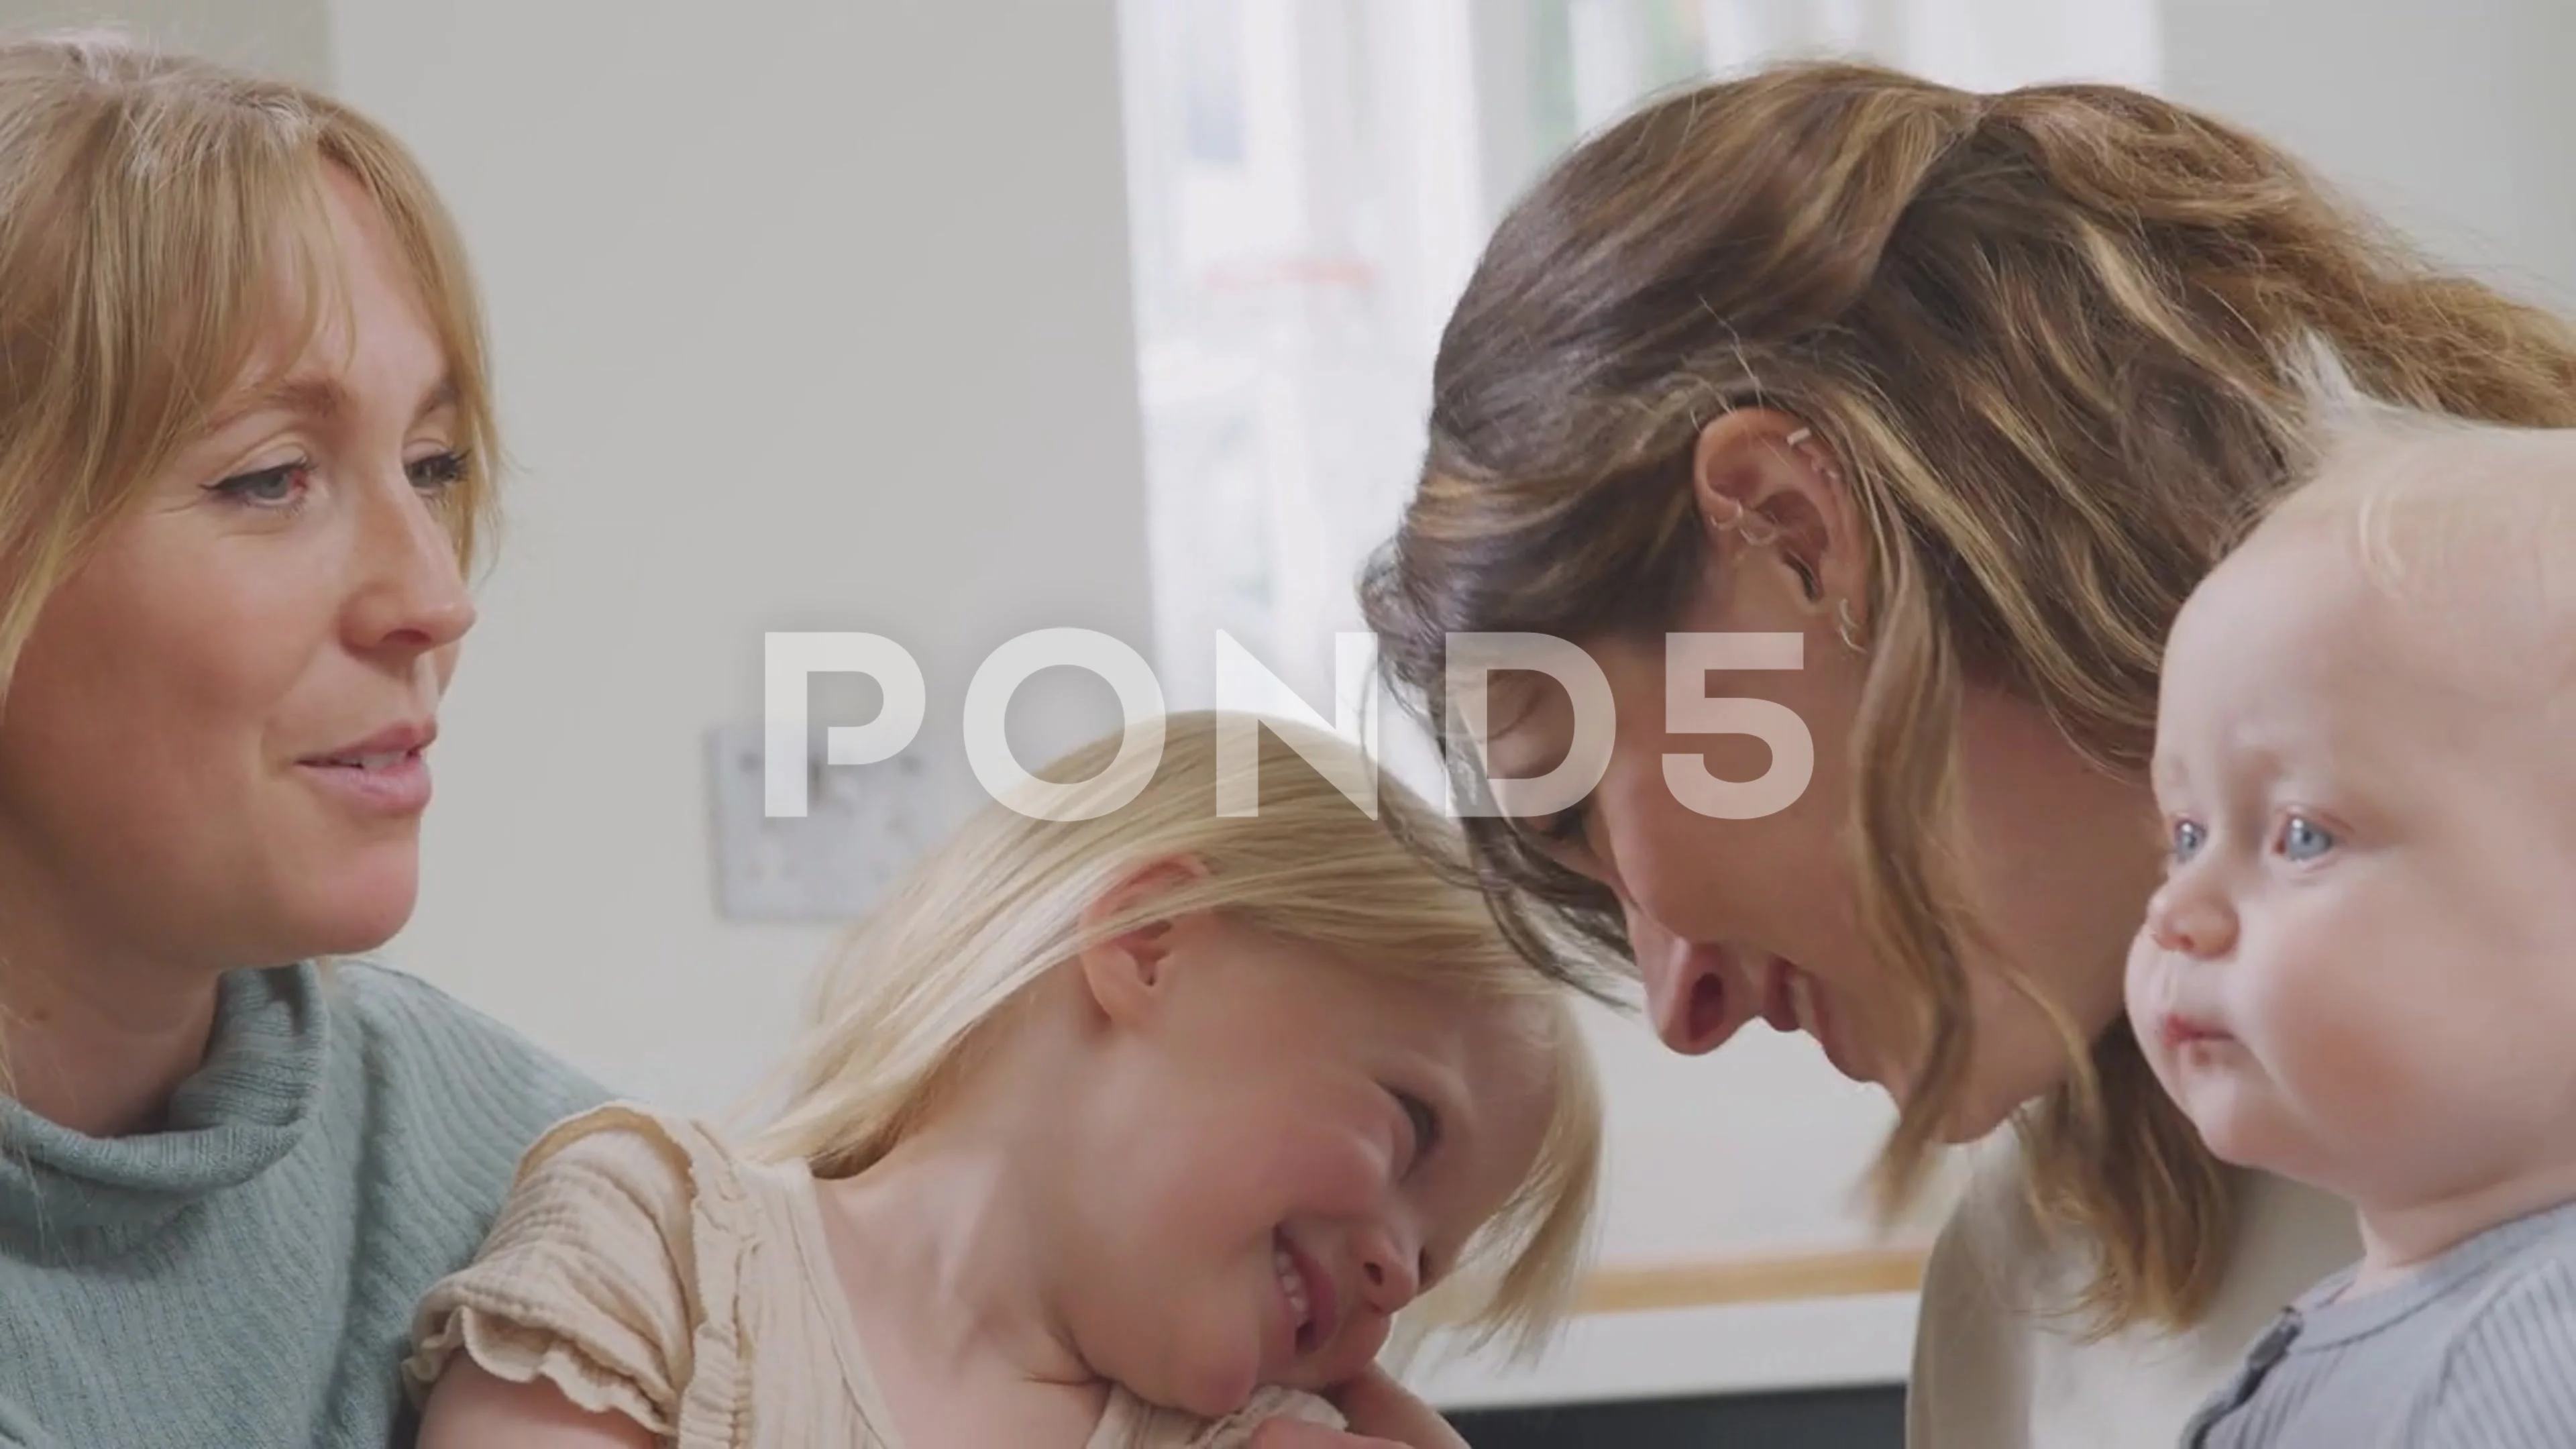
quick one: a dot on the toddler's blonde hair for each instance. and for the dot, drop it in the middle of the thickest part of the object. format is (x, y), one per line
(914, 989)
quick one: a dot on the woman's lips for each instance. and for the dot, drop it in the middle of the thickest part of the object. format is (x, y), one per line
(1779, 1010)
(389, 784)
(1793, 1001)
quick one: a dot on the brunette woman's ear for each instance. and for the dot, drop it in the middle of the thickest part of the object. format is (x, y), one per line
(1769, 482)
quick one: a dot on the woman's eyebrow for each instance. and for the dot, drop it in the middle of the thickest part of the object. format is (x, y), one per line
(441, 396)
(304, 396)
(317, 398)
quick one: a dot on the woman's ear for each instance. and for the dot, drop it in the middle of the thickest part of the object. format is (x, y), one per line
(1128, 974)
(1769, 481)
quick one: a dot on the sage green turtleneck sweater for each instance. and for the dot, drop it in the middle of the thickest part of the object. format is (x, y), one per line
(245, 1277)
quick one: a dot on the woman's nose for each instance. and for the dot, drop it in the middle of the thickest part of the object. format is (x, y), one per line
(413, 597)
(2190, 918)
(1696, 1003)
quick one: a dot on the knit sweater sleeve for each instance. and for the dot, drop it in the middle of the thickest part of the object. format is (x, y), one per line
(611, 1273)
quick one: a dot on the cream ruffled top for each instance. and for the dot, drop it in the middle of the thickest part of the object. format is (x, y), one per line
(643, 1267)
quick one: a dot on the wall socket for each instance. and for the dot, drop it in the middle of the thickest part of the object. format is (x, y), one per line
(864, 826)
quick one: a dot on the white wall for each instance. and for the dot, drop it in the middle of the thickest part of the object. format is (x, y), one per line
(808, 314)
(2453, 118)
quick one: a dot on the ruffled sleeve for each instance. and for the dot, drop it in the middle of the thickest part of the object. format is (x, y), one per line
(1131, 1423)
(613, 1272)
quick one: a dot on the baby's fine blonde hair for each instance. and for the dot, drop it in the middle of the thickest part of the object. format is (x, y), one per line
(2434, 506)
(914, 989)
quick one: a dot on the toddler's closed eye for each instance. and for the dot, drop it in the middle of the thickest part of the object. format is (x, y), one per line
(1425, 1122)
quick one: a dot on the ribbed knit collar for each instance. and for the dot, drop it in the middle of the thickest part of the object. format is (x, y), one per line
(237, 1115)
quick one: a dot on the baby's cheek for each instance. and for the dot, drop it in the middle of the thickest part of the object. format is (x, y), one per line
(2143, 995)
(2333, 1042)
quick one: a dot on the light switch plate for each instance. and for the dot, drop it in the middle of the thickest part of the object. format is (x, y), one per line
(863, 828)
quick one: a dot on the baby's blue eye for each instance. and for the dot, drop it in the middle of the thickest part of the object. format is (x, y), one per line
(2304, 839)
(2188, 838)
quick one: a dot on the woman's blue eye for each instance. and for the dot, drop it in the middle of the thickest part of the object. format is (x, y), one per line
(267, 488)
(2188, 838)
(2304, 839)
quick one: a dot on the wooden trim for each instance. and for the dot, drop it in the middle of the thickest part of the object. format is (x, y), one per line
(1844, 1273)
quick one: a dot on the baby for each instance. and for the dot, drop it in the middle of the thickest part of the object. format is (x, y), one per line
(2361, 969)
(1121, 1133)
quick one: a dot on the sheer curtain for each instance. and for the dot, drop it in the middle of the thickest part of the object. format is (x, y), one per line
(1306, 203)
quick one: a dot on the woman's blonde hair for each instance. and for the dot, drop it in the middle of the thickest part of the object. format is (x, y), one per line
(2052, 336)
(918, 987)
(162, 222)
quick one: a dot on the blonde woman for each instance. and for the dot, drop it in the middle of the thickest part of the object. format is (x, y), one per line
(1112, 1132)
(1964, 391)
(243, 433)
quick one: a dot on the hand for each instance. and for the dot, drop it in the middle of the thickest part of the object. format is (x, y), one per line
(1382, 1415)
(1298, 1434)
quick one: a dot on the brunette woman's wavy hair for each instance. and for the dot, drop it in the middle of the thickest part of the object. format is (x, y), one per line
(2054, 337)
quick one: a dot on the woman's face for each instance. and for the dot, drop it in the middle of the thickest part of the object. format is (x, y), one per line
(1734, 920)
(212, 749)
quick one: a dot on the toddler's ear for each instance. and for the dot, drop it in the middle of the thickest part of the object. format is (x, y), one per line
(1127, 972)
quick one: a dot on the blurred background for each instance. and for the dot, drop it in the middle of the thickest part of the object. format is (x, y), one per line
(948, 321)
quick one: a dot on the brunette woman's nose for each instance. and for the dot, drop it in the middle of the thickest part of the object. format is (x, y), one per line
(1695, 1000)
